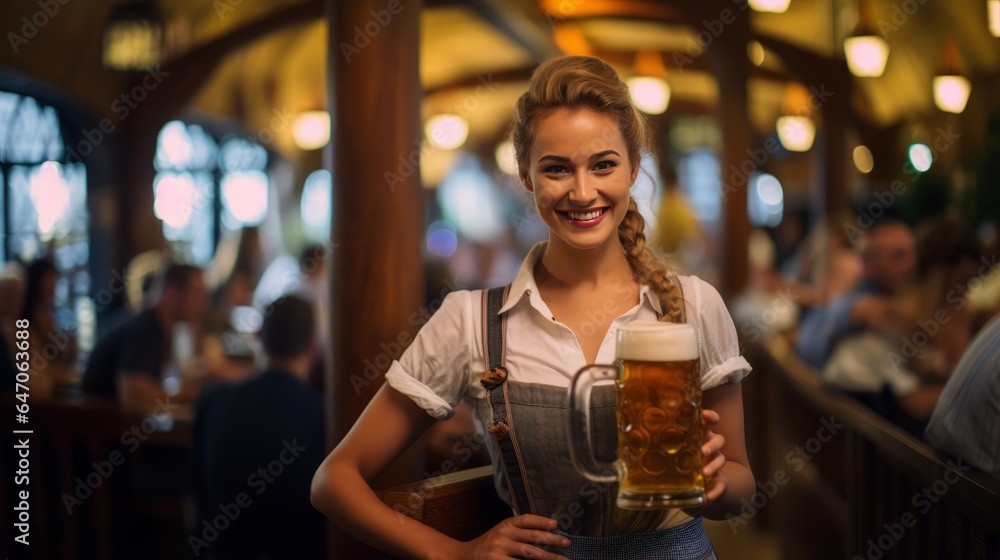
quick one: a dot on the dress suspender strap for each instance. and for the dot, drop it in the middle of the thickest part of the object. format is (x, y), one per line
(494, 381)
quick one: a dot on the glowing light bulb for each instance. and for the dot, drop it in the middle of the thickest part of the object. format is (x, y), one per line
(921, 157)
(650, 95)
(770, 6)
(796, 133)
(311, 130)
(866, 55)
(447, 131)
(951, 93)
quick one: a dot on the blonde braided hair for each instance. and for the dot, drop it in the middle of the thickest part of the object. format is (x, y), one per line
(650, 268)
(584, 81)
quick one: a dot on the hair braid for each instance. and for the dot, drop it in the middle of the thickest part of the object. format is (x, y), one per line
(648, 267)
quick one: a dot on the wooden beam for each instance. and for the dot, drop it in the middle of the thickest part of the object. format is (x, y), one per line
(522, 22)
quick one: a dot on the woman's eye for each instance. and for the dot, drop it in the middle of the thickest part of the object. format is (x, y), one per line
(605, 165)
(555, 169)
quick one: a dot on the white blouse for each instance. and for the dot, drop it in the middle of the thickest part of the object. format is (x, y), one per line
(447, 358)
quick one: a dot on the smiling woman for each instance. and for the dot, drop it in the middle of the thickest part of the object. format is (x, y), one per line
(578, 142)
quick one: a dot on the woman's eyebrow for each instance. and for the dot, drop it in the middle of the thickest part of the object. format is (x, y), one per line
(598, 155)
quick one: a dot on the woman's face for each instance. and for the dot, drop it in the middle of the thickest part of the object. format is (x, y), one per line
(580, 175)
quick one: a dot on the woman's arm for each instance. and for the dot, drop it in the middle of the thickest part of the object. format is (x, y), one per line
(725, 452)
(390, 424)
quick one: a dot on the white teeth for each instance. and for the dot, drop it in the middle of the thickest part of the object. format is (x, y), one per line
(585, 217)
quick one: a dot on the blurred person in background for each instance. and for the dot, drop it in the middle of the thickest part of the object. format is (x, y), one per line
(263, 438)
(313, 286)
(130, 362)
(888, 258)
(235, 291)
(11, 303)
(899, 367)
(53, 354)
(949, 261)
(827, 260)
(970, 404)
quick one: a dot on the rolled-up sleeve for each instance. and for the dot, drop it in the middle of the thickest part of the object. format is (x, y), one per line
(718, 345)
(434, 370)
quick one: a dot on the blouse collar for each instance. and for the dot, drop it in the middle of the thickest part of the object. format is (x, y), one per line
(524, 286)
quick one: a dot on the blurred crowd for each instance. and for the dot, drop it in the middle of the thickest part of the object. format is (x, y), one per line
(238, 356)
(904, 320)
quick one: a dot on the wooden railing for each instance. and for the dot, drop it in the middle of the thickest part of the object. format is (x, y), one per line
(841, 482)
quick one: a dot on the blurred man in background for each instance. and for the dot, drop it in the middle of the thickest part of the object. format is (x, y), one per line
(888, 255)
(130, 362)
(256, 446)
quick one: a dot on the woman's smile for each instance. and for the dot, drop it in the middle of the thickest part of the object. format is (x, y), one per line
(585, 218)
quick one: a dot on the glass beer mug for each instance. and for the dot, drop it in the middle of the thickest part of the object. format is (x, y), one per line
(658, 386)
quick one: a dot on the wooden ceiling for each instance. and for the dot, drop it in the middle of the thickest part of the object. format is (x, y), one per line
(464, 41)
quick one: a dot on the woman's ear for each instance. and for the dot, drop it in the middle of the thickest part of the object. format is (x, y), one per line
(635, 172)
(526, 181)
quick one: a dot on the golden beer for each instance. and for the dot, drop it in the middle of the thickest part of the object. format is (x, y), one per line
(659, 434)
(658, 411)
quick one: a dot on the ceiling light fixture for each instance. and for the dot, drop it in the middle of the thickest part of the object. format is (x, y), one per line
(866, 50)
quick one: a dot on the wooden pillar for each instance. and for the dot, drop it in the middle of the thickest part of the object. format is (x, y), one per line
(728, 60)
(376, 281)
(831, 193)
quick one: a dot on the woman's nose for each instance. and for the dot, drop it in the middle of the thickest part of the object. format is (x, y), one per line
(583, 192)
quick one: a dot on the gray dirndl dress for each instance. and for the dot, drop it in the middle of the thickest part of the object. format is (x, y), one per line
(527, 425)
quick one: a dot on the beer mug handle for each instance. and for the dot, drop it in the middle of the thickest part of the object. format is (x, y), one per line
(581, 448)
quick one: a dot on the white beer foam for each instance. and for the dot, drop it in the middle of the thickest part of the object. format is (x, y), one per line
(653, 341)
